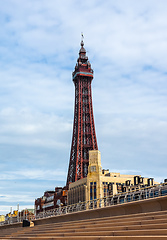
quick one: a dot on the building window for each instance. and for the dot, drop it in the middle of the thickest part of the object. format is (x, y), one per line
(91, 186)
(94, 190)
(93, 194)
(93, 169)
(105, 189)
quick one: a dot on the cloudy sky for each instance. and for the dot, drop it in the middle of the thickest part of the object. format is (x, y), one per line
(126, 42)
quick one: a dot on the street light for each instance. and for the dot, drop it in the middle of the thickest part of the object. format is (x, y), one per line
(11, 215)
(18, 212)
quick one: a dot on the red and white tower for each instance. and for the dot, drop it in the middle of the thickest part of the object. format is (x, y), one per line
(84, 135)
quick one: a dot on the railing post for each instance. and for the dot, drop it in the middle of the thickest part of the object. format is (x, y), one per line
(99, 202)
(59, 210)
(149, 194)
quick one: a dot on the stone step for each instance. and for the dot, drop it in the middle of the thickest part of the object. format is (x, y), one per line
(134, 226)
(128, 215)
(102, 228)
(99, 221)
(113, 218)
(159, 214)
(97, 225)
(29, 231)
(86, 228)
(6, 230)
(148, 232)
(92, 238)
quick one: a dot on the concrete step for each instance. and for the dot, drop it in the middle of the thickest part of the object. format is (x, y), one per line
(130, 215)
(119, 229)
(159, 214)
(135, 226)
(101, 228)
(92, 238)
(99, 221)
(8, 230)
(90, 228)
(98, 225)
(104, 228)
(116, 218)
(148, 232)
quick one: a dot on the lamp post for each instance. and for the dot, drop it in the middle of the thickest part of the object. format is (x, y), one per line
(18, 212)
(11, 215)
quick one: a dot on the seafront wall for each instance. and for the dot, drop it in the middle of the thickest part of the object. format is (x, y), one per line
(143, 206)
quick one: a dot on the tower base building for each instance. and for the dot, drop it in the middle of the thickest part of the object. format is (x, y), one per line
(101, 183)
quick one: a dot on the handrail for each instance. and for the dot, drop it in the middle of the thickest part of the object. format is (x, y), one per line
(141, 194)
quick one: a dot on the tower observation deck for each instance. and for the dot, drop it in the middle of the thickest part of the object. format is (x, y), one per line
(84, 135)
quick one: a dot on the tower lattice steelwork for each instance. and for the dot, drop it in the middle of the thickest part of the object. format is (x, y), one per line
(84, 135)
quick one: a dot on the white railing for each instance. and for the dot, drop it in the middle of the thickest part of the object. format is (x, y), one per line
(145, 193)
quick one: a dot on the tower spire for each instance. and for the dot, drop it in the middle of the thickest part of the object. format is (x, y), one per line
(84, 135)
(82, 36)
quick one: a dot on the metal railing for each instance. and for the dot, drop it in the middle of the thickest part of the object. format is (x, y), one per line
(141, 194)
(17, 219)
(136, 195)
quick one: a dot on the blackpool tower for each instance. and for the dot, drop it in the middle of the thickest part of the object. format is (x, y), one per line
(84, 135)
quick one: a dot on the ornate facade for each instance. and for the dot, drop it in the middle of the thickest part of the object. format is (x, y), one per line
(101, 183)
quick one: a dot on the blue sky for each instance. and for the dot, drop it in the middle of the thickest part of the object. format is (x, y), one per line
(126, 42)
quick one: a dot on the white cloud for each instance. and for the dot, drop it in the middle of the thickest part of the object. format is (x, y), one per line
(38, 174)
(33, 128)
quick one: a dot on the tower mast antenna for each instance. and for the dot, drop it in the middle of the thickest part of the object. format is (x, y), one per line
(82, 36)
